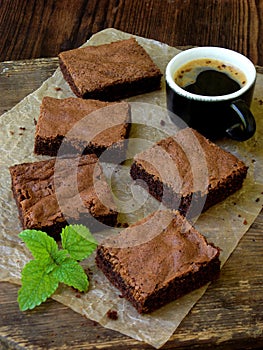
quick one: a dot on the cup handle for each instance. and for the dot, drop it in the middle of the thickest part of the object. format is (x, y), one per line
(246, 128)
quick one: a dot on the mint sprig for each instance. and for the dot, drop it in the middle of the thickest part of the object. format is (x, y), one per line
(51, 265)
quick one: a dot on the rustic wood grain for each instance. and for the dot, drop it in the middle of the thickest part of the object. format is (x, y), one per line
(228, 316)
(28, 75)
(38, 28)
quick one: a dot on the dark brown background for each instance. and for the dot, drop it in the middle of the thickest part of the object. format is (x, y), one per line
(31, 29)
(230, 315)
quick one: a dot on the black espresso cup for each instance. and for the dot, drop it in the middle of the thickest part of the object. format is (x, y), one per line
(211, 89)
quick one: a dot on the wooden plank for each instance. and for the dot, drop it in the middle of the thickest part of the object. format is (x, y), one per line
(31, 29)
(229, 316)
(22, 78)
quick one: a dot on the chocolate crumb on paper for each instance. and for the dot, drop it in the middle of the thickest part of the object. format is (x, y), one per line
(112, 314)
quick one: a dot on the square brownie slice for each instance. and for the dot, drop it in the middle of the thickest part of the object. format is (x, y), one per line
(188, 172)
(52, 193)
(83, 126)
(111, 71)
(158, 260)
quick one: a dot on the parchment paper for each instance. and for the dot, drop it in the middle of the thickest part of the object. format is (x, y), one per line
(224, 224)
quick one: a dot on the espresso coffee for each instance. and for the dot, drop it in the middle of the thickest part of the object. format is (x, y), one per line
(223, 86)
(209, 77)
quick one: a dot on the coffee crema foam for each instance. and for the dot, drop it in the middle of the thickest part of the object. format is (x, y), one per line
(188, 73)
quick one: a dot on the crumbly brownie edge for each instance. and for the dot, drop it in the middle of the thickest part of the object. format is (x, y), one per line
(172, 291)
(50, 146)
(116, 153)
(225, 189)
(98, 223)
(127, 89)
(95, 223)
(68, 78)
(15, 196)
(108, 269)
(52, 230)
(179, 287)
(156, 188)
(47, 146)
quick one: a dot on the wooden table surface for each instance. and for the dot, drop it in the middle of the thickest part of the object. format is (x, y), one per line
(41, 29)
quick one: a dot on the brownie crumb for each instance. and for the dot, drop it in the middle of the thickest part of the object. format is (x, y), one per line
(22, 128)
(245, 222)
(89, 272)
(162, 122)
(58, 89)
(122, 225)
(257, 200)
(112, 314)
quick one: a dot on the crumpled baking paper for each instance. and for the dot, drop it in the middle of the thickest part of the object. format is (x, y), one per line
(223, 224)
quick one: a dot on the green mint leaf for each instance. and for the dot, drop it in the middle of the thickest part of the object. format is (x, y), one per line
(39, 243)
(40, 277)
(72, 274)
(78, 241)
(38, 283)
(60, 256)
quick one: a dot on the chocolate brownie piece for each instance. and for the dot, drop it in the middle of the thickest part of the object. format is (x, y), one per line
(158, 260)
(51, 193)
(188, 172)
(84, 126)
(111, 71)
